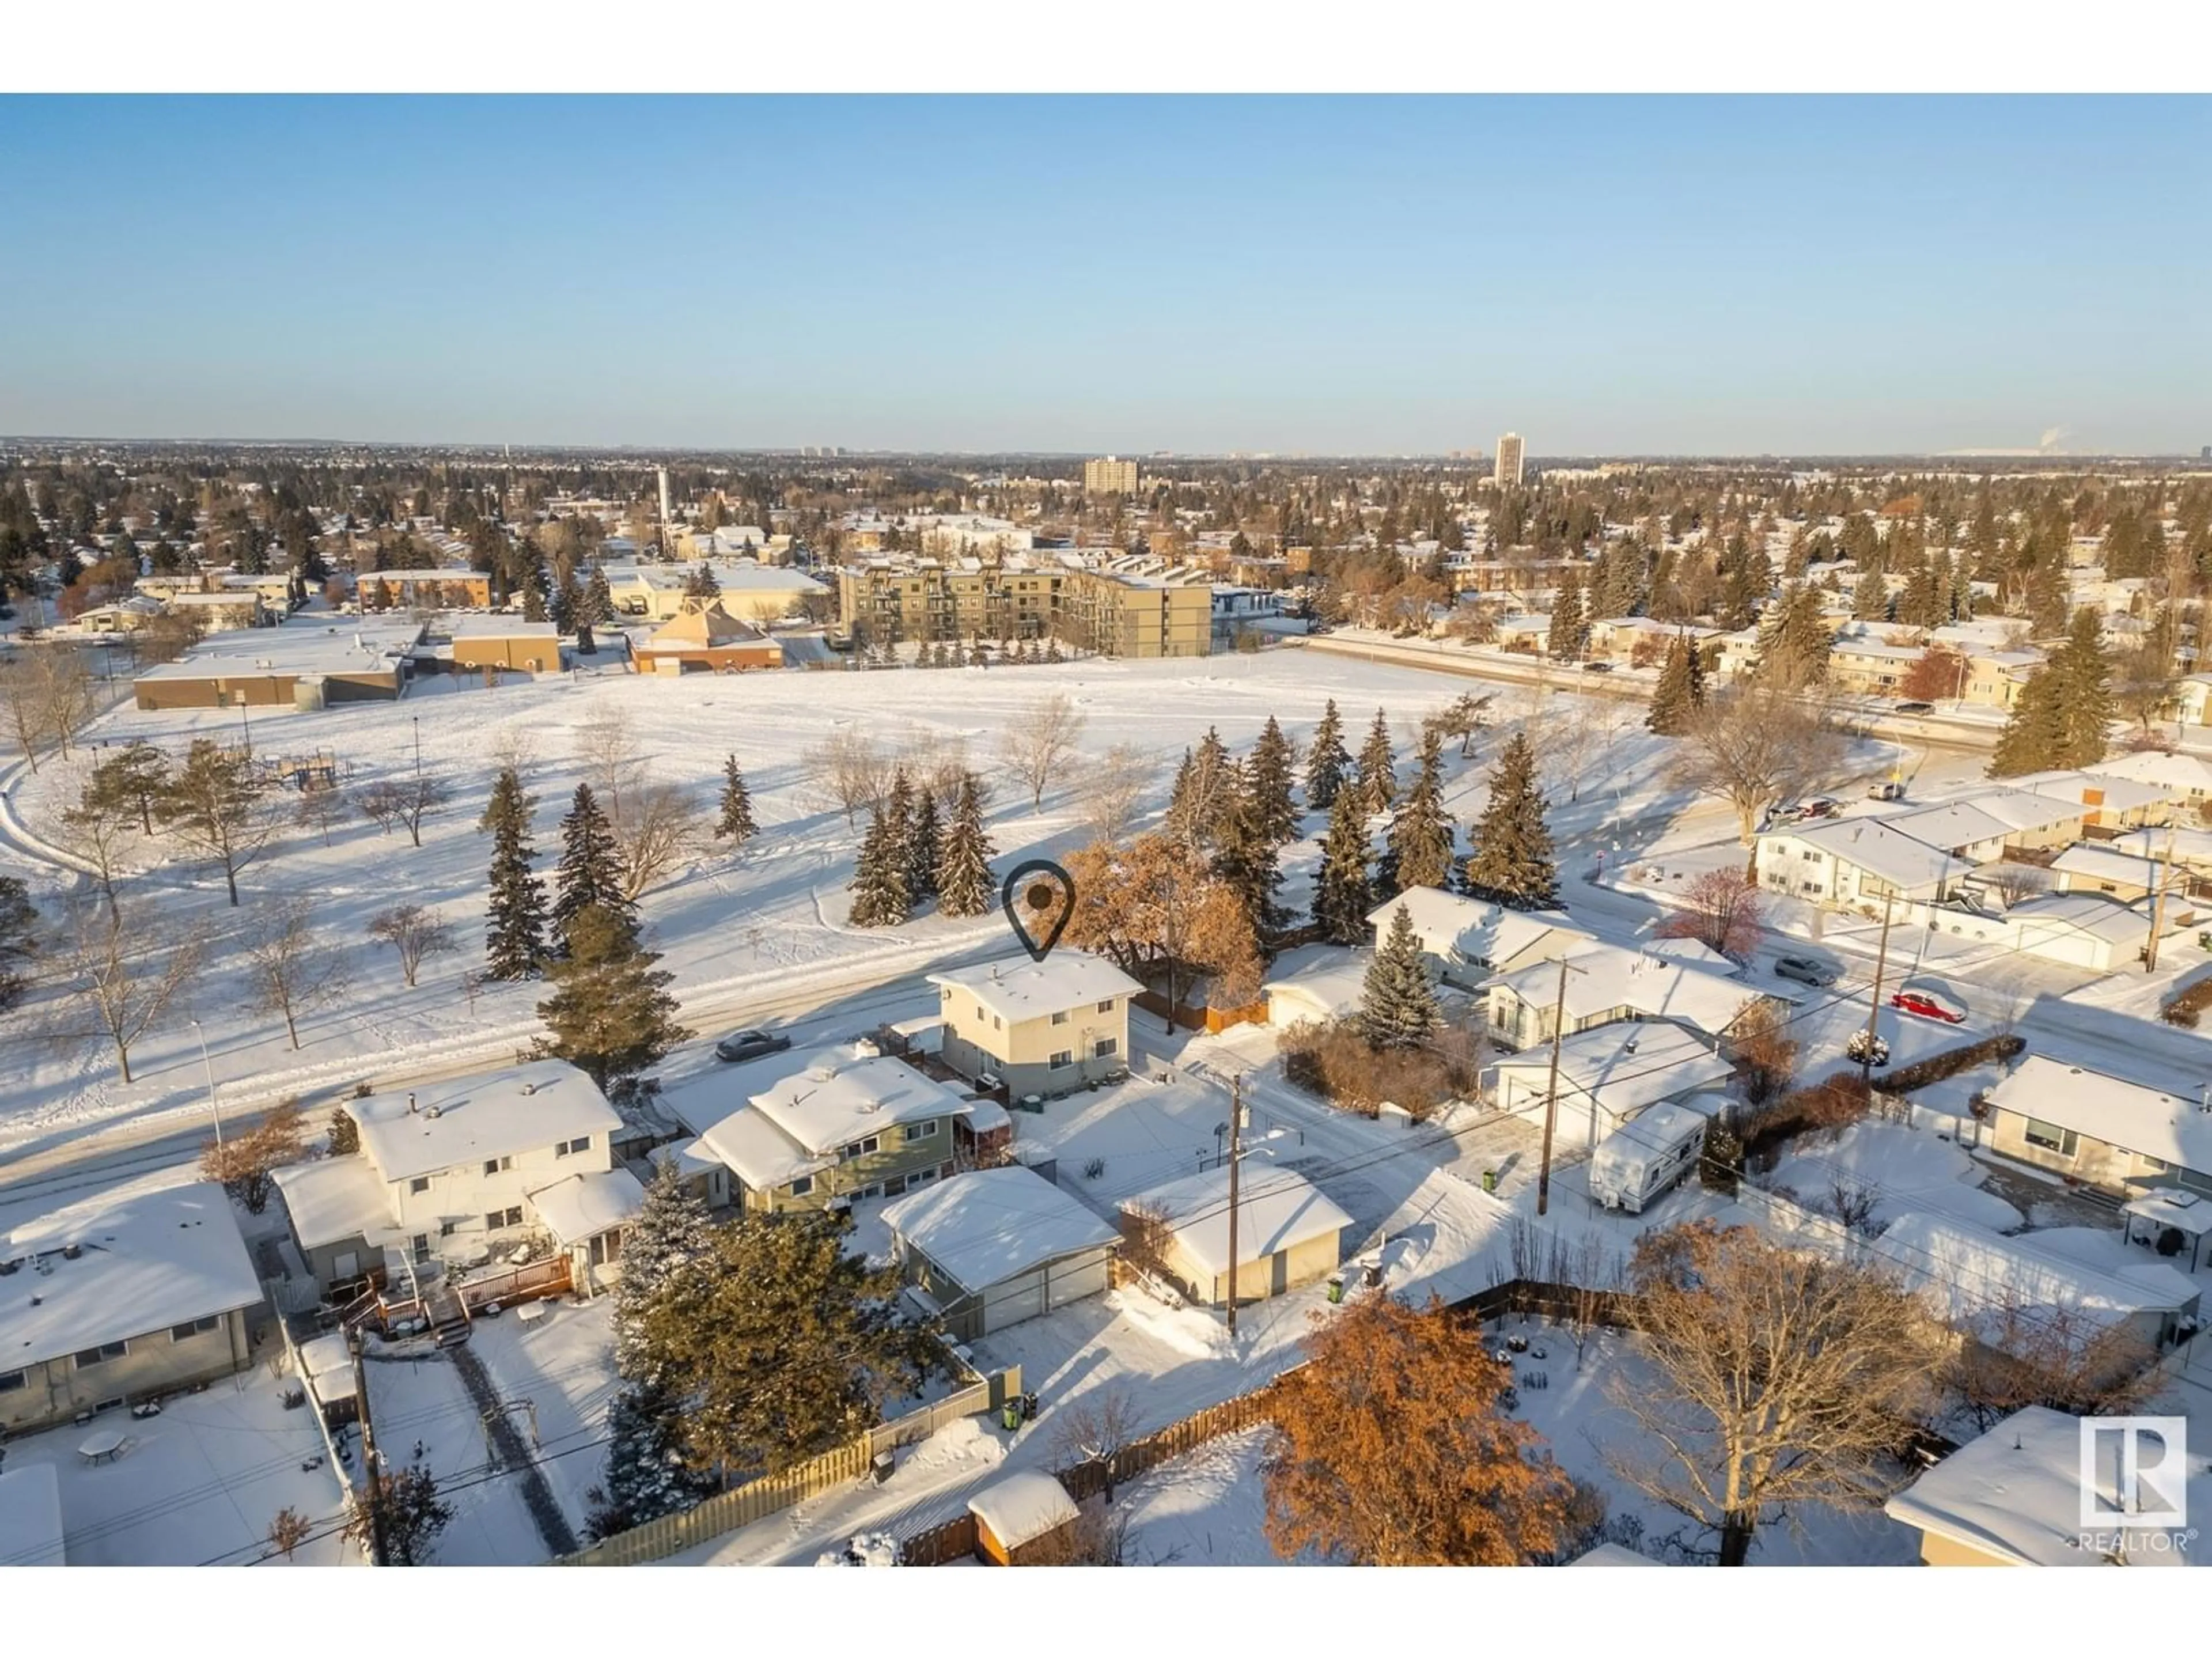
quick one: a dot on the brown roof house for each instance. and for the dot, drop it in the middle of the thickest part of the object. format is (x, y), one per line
(710, 639)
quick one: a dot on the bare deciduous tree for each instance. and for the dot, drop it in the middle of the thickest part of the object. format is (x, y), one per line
(128, 967)
(97, 832)
(404, 802)
(1112, 789)
(1782, 1378)
(290, 969)
(219, 805)
(1038, 744)
(657, 826)
(1754, 746)
(416, 933)
(514, 750)
(288, 1530)
(323, 810)
(2015, 883)
(22, 702)
(2011, 1355)
(243, 1162)
(607, 745)
(850, 772)
(1098, 1428)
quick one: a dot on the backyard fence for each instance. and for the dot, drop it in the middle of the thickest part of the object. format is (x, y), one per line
(741, 1506)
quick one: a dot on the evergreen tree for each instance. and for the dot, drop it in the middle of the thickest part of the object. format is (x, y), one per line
(648, 1475)
(880, 895)
(594, 608)
(514, 934)
(2046, 597)
(535, 606)
(671, 1231)
(1795, 642)
(610, 1011)
(735, 823)
(923, 845)
(1267, 780)
(1342, 893)
(1870, 598)
(1512, 862)
(963, 882)
(2063, 716)
(1568, 635)
(1398, 1005)
(1681, 691)
(1378, 783)
(1244, 862)
(590, 870)
(1419, 852)
(1326, 761)
(701, 585)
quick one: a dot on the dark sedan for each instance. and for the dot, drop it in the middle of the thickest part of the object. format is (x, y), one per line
(749, 1045)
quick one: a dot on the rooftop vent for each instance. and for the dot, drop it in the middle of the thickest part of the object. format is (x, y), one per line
(71, 1252)
(411, 1100)
(530, 1088)
(433, 1111)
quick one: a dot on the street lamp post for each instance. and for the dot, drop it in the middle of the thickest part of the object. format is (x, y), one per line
(208, 1066)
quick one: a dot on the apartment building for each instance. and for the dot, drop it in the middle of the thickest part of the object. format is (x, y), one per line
(1128, 607)
(1109, 476)
(1508, 467)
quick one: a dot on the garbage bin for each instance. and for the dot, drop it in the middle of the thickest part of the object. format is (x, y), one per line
(881, 1464)
(1010, 1415)
(1490, 1181)
(1336, 1287)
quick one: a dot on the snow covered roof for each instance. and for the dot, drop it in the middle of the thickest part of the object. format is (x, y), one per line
(503, 628)
(1902, 860)
(1277, 1209)
(1458, 928)
(466, 1119)
(2129, 1115)
(1612, 1555)
(762, 1156)
(1628, 1066)
(1023, 1507)
(143, 1263)
(2016, 1493)
(690, 1159)
(2103, 918)
(991, 1224)
(2100, 862)
(1603, 977)
(2175, 774)
(2190, 846)
(710, 627)
(585, 1205)
(2100, 791)
(1962, 823)
(1018, 989)
(335, 1197)
(297, 647)
(31, 1517)
(1693, 952)
(1320, 978)
(833, 1096)
(1974, 1276)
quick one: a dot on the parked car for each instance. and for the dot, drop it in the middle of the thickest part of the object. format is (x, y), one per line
(1856, 1048)
(1822, 808)
(750, 1045)
(1929, 1002)
(1806, 970)
(1916, 708)
(1597, 668)
(1892, 790)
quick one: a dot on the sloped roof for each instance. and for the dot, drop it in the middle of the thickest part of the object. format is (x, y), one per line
(710, 628)
(991, 1224)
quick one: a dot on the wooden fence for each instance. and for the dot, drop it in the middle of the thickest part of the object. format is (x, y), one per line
(741, 1506)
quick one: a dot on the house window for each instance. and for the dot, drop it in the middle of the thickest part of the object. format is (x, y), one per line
(1105, 1048)
(1809, 856)
(99, 1355)
(1062, 1058)
(494, 1165)
(894, 1187)
(859, 1148)
(420, 1184)
(1107, 1006)
(802, 1187)
(2051, 1136)
(445, 1227)
(606, 1247)
(996, 1024)
(509, 1217)
(11, 1381)
(192, 1328)
(422, 1247)
(580, 1143)
(922, 1131)
(1061, 1019)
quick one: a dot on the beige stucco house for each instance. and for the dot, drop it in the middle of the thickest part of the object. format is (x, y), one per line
(2117, 1136)
(1040, 1028)
(1288, 1233)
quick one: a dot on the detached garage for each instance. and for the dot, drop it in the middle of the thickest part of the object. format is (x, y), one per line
(994, 1247)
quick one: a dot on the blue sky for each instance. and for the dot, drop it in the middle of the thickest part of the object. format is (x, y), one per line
(1326, 275)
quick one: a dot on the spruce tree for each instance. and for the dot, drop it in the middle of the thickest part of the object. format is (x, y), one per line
(880, 895)
(1567, 637)
(1342, 893)
(923, 846)
(648, 1475)
(1870, 598)
(1377, 782)
(1398, 1005)
(590, 870)
(514, 934)
(610, 1011)
(1244, 862)
(965, 886)
(735, 823)
(1679, 692)
(1267, 778)
(1512, 862)
(2062, 716)
(1326, 761)
(1419, 851)
(671, 1231)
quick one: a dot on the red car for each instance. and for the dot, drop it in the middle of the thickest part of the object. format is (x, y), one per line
(1928, 1005)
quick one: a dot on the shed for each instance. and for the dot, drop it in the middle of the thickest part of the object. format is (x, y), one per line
(1021, 1518)
(1288, 1233)
(994, 1247)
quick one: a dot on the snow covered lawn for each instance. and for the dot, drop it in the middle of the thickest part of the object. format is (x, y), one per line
(1908, 1170)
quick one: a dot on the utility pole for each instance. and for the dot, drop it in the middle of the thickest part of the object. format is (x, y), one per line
(1873, 1005)
(1235, 1164)
(2158, 906)
(1552, 1093)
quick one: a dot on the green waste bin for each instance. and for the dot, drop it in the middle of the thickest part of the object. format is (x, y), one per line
(1336, 1290)
(1011, 1415)
(1490, 1181)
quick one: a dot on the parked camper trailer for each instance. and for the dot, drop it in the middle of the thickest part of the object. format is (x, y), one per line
(1645, 1156)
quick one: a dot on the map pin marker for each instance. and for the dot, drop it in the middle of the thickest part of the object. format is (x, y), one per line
(1038, 897)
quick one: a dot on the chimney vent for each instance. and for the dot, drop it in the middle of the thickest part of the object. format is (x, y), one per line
(411, 1102)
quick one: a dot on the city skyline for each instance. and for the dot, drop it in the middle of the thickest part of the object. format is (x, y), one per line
(1646, 277)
